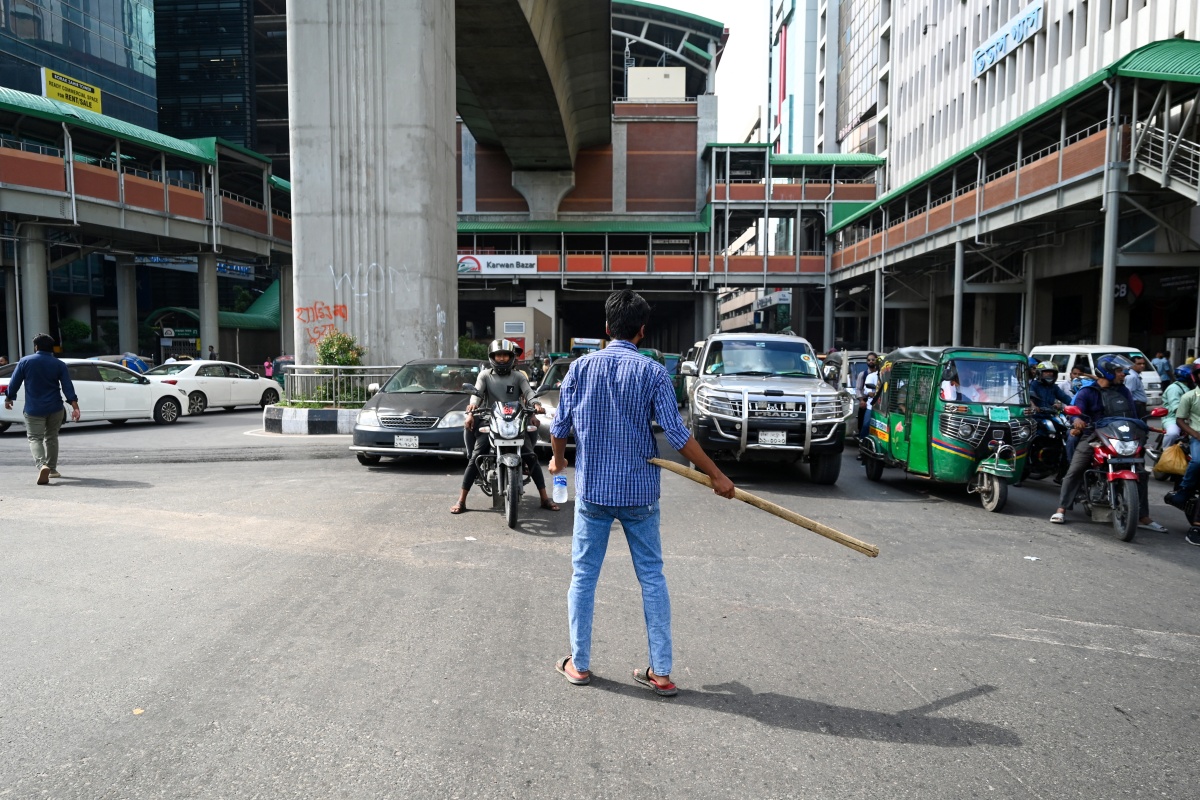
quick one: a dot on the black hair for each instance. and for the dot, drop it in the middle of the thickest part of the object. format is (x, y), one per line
(625, 312)
(872, 354)
(44, 341)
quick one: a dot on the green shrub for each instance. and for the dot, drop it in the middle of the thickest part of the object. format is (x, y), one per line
(73, 332)
(337, 349)
(469, 348)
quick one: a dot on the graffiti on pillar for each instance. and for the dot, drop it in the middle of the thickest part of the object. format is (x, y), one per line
(319, 319)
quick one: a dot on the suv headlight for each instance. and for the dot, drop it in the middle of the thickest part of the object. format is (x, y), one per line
(455, 419)
(368, 418)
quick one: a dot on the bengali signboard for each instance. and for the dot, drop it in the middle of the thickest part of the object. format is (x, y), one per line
(57, 86)
(497, 265)
(1012, 34)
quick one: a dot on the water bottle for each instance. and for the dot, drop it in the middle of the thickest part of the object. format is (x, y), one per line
(560, 488)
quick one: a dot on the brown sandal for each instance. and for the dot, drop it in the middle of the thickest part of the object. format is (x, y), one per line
(584, 678)
(459, 508)
(549, 505)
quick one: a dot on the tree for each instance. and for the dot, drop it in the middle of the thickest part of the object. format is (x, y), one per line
(337, 349)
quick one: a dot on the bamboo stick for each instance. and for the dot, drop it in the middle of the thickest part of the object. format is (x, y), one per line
(771, 508)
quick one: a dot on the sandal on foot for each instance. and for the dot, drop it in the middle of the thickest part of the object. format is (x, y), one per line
(644, 677)
(549, 505)
(585, 676)
(459, 508)
(1057, 517)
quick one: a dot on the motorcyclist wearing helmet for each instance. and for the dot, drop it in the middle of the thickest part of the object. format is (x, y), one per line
(1105, 398)
(500, 382)
(1044, 393)
(1187, 417)
(1182, 384)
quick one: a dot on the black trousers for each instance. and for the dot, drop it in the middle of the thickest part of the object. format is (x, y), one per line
(478, 445)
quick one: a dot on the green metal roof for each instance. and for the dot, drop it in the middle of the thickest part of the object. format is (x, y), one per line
(56, 111)
(696, 51)
(576, 226)
(1176, 60)
(827, 159)
(280, 184)
(720, 26)
(262, 315)
(209, 146)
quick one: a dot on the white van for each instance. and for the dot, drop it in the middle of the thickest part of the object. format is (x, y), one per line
(1066, 356)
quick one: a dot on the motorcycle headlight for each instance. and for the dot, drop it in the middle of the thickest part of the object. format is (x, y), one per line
(507, 428)
(368, 418)
(1123, 448)
(455, 419)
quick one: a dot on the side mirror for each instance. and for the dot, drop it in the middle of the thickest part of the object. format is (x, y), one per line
(1072, 411)
(688, 369)
(469, 388)
(1158, 411)
(254, 376)
(373, 389)
(144, 381)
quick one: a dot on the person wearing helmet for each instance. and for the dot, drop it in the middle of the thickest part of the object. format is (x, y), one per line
(1106, 398)
(1044, 393)
(1187, 417)
(500, 382)
(1182, 384)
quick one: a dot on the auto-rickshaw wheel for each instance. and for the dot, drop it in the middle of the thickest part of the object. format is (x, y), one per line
(874, 468)
(993, 492)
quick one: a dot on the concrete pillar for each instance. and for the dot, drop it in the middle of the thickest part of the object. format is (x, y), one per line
(35, 294)
(931, 339)
(800, 312)
(13, 347)
(545, 301)
(206, 273)
(877, 314)
(543, 191)
(287, 311)
(829, 329)
(371, 87)
(960, 251)
(1108, 266)
(708, 314)
(127, 327)
(620, 160)
(984, 328)
(1029, 306)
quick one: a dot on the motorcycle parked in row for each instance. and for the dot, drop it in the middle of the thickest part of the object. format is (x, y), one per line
(1109, 491)
(502, 473)
(1190, 503)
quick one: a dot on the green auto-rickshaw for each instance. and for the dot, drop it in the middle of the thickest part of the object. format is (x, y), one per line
(953, 415)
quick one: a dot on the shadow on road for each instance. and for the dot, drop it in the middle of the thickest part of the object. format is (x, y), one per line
(912, 726)
(102, 483)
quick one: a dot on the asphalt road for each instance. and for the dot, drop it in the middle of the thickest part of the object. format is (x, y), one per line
(200, 611)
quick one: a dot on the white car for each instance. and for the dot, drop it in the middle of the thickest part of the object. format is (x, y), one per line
(216, 383)
(106, 391)
(1084, 356)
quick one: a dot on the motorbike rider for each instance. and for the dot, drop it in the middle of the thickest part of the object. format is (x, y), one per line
(1105, 398)
(1187, 417)
(1182, 384)
(500, 383)
(1044, 393)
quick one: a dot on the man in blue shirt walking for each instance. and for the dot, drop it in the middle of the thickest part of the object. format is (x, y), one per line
(42, 374)
(609, 398)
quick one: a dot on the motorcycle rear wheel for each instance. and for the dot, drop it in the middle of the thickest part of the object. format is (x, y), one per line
(1125, 511)
(512, 495)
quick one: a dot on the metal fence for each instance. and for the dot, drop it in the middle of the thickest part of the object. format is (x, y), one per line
(334, 387)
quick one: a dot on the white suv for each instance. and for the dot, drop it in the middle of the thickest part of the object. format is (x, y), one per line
(1084, 356)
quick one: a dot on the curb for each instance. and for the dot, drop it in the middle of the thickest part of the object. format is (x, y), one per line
(309, 421)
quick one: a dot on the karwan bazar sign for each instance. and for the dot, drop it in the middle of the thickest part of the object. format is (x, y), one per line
(1012, 34)
(497, 265)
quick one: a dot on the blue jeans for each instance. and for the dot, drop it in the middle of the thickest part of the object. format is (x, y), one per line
(593, 523)
(865, 430)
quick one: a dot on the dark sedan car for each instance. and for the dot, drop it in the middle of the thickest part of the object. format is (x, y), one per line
(419, 411)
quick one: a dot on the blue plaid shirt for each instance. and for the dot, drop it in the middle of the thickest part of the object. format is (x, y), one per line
(608, 398)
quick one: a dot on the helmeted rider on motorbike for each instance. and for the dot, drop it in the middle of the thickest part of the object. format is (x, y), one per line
(1044, 391)
(1103, 399)
(500, 383)
(1182, 384)
(1187, 417)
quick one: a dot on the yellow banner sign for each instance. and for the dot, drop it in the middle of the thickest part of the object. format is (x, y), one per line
(57, 86)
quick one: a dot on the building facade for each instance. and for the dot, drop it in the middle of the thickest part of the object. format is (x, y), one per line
(100, 54)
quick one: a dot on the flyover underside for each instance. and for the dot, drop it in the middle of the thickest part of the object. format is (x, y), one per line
(533, 78)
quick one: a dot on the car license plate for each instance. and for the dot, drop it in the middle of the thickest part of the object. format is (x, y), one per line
(772, 437)
(410, 442)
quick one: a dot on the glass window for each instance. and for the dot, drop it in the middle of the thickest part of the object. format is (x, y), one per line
(111, 374)
(432, 376)
(1000, 382)
(556, 374)
(767, 357)
(238, 372)
(83, 372)
(169, 369)
(211, 371)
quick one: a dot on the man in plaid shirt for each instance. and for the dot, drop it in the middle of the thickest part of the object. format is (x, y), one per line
(609, 398)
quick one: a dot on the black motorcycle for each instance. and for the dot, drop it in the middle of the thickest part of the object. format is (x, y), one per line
(1109, 491)
(1189, 504)
(503, 472)
(1047, 454)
